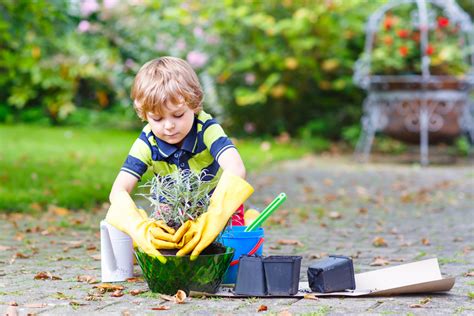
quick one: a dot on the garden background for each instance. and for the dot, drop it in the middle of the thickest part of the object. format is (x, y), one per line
(276, 74)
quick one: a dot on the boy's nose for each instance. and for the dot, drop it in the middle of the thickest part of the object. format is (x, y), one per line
(169, 124)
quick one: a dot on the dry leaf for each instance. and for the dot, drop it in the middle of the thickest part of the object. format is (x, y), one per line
(180, 297)
(335, 215)
(136, 292)
(416, 305)
(363, 210)
(291, 242)
(4, 248)
(379, 242)
(13, 303)
(379, 261)
(134, 280)
(469, 274)
(426, 300)
(262, 308)
(86, 278)
(168, 298)
(311, 297)
(117, 293)
(46, 276)
(284, 313)
(76, 303)
(91, 247)
(107, 287)
(330, 197)
(160, 308)
(425, 241)
(96, 257)
(318, 255)
(327, 182)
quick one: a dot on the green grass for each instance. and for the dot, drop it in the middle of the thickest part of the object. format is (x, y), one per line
(75, 167)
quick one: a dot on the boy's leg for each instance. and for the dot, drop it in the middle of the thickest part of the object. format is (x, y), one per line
(238, 217)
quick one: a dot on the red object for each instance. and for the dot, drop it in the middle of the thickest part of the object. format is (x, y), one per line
(403, 50)
(251, 252)
(388, 22)
(443, 21)
(429, 50)
(403, 33)
(238, 217)
(388, 40)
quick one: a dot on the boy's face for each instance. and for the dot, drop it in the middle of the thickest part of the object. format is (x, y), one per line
(175, 123)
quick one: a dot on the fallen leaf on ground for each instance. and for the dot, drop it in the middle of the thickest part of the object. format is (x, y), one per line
(107, 287)
(318, 255)
(133, 280)
(262, 308)
(284, 313)
(416, 305)
(168, 298)
(311, 297)
(87, 278)
(13, 303)
(46, 276)
(180, 297)
(425, 241)
(76, 303)
(379, 261)
(291, 242)
(328, 182)
(363, 210)
(4, 248)
(160, 308)
(135, 292)
(335, 215)
(96, 257)
(117, 293)
(379, 242)
(469, 274)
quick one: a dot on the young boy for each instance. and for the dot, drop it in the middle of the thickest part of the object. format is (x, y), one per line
(179, 135)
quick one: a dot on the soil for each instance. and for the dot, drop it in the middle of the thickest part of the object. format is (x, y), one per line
(213, 249)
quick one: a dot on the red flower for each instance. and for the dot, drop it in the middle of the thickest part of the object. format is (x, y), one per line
(388, 22)
(388, 40)
(403, 33)
(429, 50)
(443, 22)
(403, 50)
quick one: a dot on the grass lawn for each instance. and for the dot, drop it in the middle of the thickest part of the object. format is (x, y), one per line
(75, 167)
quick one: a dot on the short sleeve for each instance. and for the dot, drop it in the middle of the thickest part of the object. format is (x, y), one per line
(139, 157)
(215, 139)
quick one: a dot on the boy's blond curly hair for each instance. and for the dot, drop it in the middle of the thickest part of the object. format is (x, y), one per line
(163, 82)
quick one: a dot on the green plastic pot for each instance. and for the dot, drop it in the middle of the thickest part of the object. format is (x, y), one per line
(204, 274)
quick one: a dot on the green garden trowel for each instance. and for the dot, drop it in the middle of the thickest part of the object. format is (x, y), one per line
(257, 222)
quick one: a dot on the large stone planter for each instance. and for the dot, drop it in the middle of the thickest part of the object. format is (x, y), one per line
(402, 103)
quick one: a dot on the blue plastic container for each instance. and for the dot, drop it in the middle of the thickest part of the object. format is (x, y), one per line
(243, 243)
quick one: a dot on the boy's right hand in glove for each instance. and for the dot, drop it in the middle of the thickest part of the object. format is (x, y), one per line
(148, 234)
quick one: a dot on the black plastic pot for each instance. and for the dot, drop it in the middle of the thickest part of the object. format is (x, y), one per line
(282, 274)
(332, 274)
(250, 277)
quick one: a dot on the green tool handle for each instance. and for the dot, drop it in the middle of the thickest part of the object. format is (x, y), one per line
(266, 212)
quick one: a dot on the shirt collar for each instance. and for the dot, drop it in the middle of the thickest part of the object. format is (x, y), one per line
(189, 143)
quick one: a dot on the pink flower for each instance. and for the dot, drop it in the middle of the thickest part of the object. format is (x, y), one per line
(198, 32)
(196, 59)
(249, 78)
(249, 127)
(83, 26)
(88, 7)
(130, 64)
(180, 44)
(109, 4)
(212, 39)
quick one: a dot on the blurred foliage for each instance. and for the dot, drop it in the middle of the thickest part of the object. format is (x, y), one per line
(267, 67)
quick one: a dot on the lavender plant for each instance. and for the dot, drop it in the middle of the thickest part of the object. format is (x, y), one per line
(179, 196)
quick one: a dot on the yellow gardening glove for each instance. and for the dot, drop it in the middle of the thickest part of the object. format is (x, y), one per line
(230, 193)
(146, 233)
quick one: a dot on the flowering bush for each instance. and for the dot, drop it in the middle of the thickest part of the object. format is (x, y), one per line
(397, 47)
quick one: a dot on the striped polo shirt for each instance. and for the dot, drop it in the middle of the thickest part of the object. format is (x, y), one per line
(200, 150)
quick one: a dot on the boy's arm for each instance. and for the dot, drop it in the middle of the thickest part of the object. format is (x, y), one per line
(124, 182)
(231, 161)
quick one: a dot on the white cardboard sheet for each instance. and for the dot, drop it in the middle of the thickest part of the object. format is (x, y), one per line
(417, 277)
